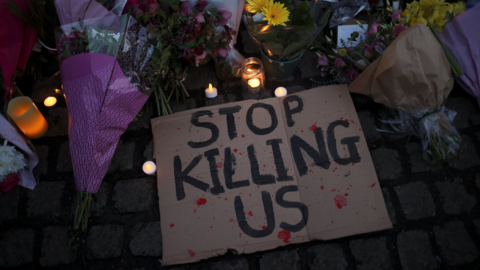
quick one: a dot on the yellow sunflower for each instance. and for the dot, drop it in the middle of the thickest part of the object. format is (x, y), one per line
(275, 14)
(255, 6)
(458, 8)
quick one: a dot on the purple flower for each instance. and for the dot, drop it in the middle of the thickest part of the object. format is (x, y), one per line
(373, 30)
(322, 61)
(185, 8)
(396, 15)
(352, 73)
(338, 62)
(380, 47)
(399, 28)
(225, 14)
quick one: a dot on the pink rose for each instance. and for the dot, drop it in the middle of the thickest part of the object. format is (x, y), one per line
(10, 181)
(225, 14)
(373, 30)
(338, 63)
(322, 61)
(399, 28)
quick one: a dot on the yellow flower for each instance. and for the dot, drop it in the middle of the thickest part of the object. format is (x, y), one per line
(275, 14)
(458, 8)
(255, 6)
(432, 2)
(342, 52)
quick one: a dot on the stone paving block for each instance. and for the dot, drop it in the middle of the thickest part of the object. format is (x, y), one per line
(99, 202)
(146, 240)
(386, 163)
(477, 225)
(388, 203)
(148, 152)
(416, 200)
(55, 248)
(308, 65)
(249, 46)
(477, 180)
(416, 159)
(9, 204)
(456, 246)
(455, 197)
(231, 98)
(280, 260)
(371, 254)
(134, 195)
(464, 109)
(359, 99)
(64, 163)
(368, 126)
(41, 90)
(294, 89)
(328, 257)
(42, 153)
(142, 122)
(233, 264)
(16, 247)
(466, 158)
(214, 101)
(104, 241)
(57, 119)
(198, 78)
(45, 199)
(123, 157)
(415, 251)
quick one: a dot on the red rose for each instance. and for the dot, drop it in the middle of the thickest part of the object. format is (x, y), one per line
(10, 181)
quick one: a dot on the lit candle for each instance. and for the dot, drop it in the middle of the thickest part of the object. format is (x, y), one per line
(211, 92)
(280, 92)
(50, 101)
(149, 168)
(254, 85)
(27, 117)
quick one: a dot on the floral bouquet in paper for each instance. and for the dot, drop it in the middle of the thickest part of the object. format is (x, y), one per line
(106, 75)
(413, 76)
(283, 30)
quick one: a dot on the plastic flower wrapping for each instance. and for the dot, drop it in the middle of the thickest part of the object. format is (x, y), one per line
(107, 78)
(284, 29)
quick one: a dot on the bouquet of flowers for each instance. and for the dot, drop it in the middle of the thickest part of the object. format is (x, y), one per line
(462, 37)
(181, 37)
(107, 78)
(17, 160)
(282, 29)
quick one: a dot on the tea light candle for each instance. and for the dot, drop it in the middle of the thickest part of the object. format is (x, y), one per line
(280, 92)
(254, 85)
(29, 120)
(149, 168)
(50, 101)
(210, 92)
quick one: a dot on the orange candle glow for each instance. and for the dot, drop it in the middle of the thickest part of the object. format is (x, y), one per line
(29, 120)
(254, 83)
(50, 101)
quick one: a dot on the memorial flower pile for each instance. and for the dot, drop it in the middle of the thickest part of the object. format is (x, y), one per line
(182, 35)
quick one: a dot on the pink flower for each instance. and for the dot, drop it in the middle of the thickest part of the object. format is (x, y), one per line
(322, 61)
(373, 30)
(361, 64)
(338, 63)
(352, 73)
(10, 181)
(200, 17)
(396, 15)
(368, 51)
(399, 28)
(225, 14)
(185, 8)
(199, 57)
(222, 52)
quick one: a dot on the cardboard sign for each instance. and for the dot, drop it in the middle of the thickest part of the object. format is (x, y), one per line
(258, 174)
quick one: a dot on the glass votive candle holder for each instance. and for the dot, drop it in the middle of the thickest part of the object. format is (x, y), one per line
(253, 79)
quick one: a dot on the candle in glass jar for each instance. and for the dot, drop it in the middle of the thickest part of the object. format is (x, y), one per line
(254, 85)
(210, 92)
(149, 168)
(29, 120)
(280, 92)
(50, 101)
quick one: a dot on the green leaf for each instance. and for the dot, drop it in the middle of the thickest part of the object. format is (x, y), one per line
(301, 15)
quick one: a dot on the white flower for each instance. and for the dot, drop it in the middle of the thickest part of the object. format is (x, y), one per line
(7, 151)
(5, 165)
(18, 162)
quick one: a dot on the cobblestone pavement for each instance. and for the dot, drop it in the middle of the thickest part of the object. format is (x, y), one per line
(434, 209)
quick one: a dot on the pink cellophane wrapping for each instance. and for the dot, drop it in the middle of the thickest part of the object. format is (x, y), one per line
(462, 38)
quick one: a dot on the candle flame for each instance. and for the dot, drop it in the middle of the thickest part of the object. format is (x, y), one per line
(280, 91)
(254, 83)
(210, 87)
(148, 166)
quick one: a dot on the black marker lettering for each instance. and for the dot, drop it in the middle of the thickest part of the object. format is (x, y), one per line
(262, 131)
(285, 204)
(278, 159)
(320, 158)
(289, 112)
(213, 128)
(232, 129)
(350, 142)
(229, 170)
(182, 176)
(242, 222)
(257, 178)
(217, 186)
